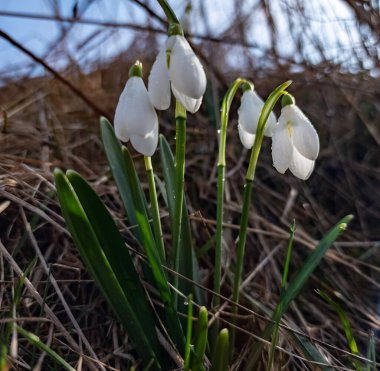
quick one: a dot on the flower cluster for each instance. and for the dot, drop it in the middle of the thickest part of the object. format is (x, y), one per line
(176, 68)
(295, 142)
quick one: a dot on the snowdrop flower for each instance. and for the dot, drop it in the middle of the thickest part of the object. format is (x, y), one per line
(248, 117)
(295, 143)
(177, 67)
(135, 117)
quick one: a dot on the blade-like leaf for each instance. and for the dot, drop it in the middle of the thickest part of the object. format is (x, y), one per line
(221, 352)
(112, 148)
(116, 253)
(135, 203)
(312, 262)
(35, 340)
(189, 331)
(309, 351)
(92, 253)
(161, 283)
(200, 341)
(346, 325)
(297, 283)
(188, 262)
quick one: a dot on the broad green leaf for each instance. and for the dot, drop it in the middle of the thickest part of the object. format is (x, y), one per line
(134, 200)
(112, 148)
(188, 262)
(161, 283)
(297, 284)
(93, 255)
(116, 253)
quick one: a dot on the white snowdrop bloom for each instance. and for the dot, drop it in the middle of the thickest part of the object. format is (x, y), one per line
(177, 66)
(295, 143)
(135, 117)
(248, 118)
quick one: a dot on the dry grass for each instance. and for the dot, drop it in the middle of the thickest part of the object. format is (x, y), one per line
(46, 125)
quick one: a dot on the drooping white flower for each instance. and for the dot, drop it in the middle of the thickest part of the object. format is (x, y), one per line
(177, 66)
(135, 117)
(248, 118)
(295, 143)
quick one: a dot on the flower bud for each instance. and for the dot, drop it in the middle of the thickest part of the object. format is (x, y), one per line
(135, 117)
(177, 66)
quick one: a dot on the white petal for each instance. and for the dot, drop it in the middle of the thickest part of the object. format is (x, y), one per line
(159, 82)
(300, 166)
(246, 138)
(134, 114)
(304, 136)
(191, 105)
(146, 146)
(120, 123)
(249, 111)
(282, 150)
(185, 70)
(271, 126)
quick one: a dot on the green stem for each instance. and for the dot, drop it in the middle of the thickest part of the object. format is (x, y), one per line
(180, 117)
(225, 109)
(155, 209)
(170, 15)
(265, 112)
(241, 243)
(288, 255)
(240, 254)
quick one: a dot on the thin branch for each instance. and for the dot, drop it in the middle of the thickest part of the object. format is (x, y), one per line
(57, 75)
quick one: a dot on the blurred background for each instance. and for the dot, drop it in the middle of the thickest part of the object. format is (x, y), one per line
(65, 63)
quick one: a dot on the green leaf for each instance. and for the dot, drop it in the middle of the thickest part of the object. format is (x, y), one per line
(134, 200)
(189, 330)
(35, 340)
(91, 251)
(346, 325)
(312, 262)
(188, 266)
(297, 284)
(371, 352)
(221, 352)
(161, 283)
(115, 251)
(309, 351)
(121, 174)
(200, 341)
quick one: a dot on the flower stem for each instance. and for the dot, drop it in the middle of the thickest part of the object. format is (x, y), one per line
(170, 15)
(225, 109)
(180, 117)
(155, 209)
(265, 112)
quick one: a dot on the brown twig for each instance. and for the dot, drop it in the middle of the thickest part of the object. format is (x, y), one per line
(57, 75)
